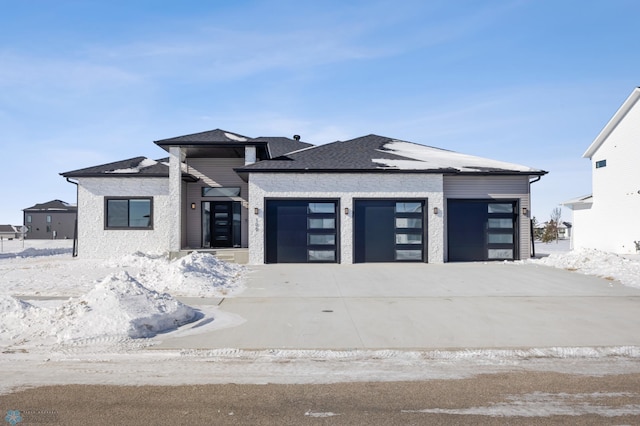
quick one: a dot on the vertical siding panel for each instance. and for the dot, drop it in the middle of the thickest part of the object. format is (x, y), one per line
(213, 172)
(494, 187)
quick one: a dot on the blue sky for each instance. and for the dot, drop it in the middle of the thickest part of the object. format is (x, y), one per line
(88, 82)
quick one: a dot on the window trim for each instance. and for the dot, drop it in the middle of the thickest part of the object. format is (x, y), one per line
(127, 228)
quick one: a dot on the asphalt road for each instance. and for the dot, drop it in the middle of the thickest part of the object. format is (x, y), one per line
(497, 399)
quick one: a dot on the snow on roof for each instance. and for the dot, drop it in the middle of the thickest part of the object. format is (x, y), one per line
(235, 137)
(136, 169)
(582, 200)
(426, 157)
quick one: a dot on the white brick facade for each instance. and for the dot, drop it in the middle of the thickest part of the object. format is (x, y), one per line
(346, 187)
(97, 242)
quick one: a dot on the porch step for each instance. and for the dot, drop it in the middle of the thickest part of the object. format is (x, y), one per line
(235, 255)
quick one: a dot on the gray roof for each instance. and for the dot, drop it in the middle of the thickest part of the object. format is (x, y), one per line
(8, 229)
(270, 146)
(208, 137)
(56, 205)
(129, 167)
(373, 153)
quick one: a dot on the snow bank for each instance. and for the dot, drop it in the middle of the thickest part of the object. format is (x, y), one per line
(122, 307)
(596, 262)
(118, 307)
(197, 274)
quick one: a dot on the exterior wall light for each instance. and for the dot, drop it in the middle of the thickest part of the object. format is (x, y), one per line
(346, 210)
(525, 211)
(435, 210)
(256, 210)
(193, 206)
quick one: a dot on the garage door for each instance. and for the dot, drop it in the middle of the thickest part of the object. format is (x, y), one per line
(389, 231)
(479, 230)
(301, 231)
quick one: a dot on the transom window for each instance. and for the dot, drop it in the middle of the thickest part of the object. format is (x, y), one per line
(129, 213)
(221, 192)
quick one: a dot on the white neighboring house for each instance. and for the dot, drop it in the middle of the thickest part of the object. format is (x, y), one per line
(609, 218)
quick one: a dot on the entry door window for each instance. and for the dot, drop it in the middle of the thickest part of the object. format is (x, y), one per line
(221, 224)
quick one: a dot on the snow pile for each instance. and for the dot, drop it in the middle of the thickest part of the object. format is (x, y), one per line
(596, 262)
(197, 274)
(141, 165)
(118, 307)
(15, 317)
(121, 307)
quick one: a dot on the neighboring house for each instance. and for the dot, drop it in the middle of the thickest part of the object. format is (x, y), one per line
(9, 232)
(370, 199)
(52, 220)
(564, 230)
(607, 219)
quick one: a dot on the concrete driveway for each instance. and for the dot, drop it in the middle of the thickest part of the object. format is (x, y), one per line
(422, 306)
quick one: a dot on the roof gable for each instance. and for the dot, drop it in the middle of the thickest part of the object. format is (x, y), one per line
(613, 123)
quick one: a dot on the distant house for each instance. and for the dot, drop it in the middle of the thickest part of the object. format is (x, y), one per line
(280, 200)
(9, 232)
(608, 219)
(52, 220)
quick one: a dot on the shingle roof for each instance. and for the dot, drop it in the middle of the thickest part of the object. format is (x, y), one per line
(8, 229)
(373, 153)
(208, 137)
(136, 166)
(57, 205)
(279, 145)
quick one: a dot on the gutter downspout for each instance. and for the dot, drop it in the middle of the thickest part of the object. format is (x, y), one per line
(533, 245)
(74, 252)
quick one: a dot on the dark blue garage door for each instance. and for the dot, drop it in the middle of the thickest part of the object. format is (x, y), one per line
(389, 231)
(301, 231)
(479, 230)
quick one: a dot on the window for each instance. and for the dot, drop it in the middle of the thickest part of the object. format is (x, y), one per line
(48, 218)
(601, 163)
(220, 192)
(29, 218)
(125, 213)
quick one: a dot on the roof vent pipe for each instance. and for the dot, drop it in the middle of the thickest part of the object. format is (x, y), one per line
(296, 137)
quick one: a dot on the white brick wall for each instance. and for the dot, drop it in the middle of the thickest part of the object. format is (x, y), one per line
(351, 186)
(96, 242)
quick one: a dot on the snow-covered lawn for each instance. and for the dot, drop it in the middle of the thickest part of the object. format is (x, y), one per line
(623, 268)
(126, 298)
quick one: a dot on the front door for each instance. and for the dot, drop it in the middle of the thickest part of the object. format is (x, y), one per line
(221, 224)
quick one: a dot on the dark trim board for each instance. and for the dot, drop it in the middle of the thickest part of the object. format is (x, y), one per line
(483, 230)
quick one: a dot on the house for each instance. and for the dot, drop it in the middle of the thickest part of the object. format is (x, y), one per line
(9, 232)
(51, 220)
(369, 199)
(607, 219)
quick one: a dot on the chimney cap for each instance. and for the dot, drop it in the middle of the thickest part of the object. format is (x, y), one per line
(296, 137)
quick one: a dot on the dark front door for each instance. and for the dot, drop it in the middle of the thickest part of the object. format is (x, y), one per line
(221, 224)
